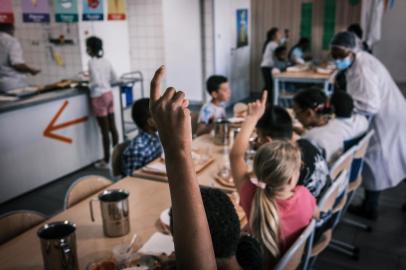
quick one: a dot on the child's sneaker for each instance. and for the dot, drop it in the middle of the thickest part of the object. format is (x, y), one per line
(103, 165)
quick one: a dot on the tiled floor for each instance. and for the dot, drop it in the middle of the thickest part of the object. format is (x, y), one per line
(383, 248)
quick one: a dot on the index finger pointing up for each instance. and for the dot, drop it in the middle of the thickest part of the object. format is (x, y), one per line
(155, 91)
(264, 97)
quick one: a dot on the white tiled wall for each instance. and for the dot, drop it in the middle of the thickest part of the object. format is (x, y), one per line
(145, 24)
(34, 41)
(147, 37)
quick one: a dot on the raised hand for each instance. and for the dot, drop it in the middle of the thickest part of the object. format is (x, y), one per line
(171, 114)
(256, 109)
(193, 246)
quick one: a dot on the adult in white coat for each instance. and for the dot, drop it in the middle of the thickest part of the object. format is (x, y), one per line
(375, 94)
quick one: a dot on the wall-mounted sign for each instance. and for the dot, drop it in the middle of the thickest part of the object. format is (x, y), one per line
(116, 10)
(66, 11)
(35, 11)
(93, 10)
(242, 27)
(6, 11)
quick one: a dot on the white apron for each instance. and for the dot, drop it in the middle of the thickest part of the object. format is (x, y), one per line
(374, 92)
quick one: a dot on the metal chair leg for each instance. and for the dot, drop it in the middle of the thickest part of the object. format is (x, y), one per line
(357, 224)
(352, 254)
(344, 245)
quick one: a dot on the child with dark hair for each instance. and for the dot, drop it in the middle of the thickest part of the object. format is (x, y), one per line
(312, 108)
(219, 90)
(224, 228)
(357, 30)
(276, 124)
(297, 53)
(329, 135)
(102, 76)
(146, 146)
(281, 62)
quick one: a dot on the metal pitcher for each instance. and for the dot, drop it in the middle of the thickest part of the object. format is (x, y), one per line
(222, 132)
(114, 211)
(58, 245)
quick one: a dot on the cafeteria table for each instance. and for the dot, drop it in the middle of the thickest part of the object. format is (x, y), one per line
(307, 76)
(206, 177)
(146, 201)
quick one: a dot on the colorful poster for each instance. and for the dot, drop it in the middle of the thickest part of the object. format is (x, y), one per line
(93, 10)
(242, 27)
(35, 11)
(6, 11)
(116, 10)
(66, 11)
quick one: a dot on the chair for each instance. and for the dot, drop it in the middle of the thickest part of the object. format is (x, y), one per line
(333, 202)
(354, 183)
(117, 159)
(84, 187)
(326, 205)
(16, 222)
(298, 254)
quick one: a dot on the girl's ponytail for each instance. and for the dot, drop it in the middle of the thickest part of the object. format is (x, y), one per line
(265, 221)
(274, 164)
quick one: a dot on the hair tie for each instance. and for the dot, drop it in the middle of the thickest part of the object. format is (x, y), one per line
(268, 188)
(258, 183)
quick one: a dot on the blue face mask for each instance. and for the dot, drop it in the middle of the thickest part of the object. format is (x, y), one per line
(344, 63)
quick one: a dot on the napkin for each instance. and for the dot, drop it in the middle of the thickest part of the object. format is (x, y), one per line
(158, 167)
(158, 243)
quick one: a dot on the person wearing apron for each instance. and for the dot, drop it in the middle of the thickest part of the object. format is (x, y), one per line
(13, 69)
(376, 95)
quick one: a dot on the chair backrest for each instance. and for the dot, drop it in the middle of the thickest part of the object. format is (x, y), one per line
(299, 251)
(363, 145)
(84, 187)
(343, 163)
(353, 142)
(16, 222)
(117, 158)
(361, 148)
(329, 198)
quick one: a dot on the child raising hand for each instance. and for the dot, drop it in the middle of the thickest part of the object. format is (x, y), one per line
(193, 245)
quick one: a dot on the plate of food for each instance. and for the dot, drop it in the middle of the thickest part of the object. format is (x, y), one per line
(224, 178)
(164, 219)
(157, 166)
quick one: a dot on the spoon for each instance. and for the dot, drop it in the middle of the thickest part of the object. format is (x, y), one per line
(131, 243)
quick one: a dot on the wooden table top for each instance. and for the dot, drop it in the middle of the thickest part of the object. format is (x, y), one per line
(307, 74)
(206, 177)
(146, 201)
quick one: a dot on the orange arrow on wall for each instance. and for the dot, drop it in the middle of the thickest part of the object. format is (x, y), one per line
(48, 132)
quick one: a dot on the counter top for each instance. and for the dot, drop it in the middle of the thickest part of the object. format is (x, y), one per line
(6, 106)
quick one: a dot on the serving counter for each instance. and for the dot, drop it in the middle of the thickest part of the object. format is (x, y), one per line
(45, 137)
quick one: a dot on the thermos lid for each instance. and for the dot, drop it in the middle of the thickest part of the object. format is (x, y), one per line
(56, 230)
(113, 195)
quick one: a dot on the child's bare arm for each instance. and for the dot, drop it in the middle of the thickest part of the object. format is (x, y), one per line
(193, 245)
(316, 213)
(237, 153)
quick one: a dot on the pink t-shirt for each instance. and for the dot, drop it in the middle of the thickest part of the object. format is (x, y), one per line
(295, 213)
